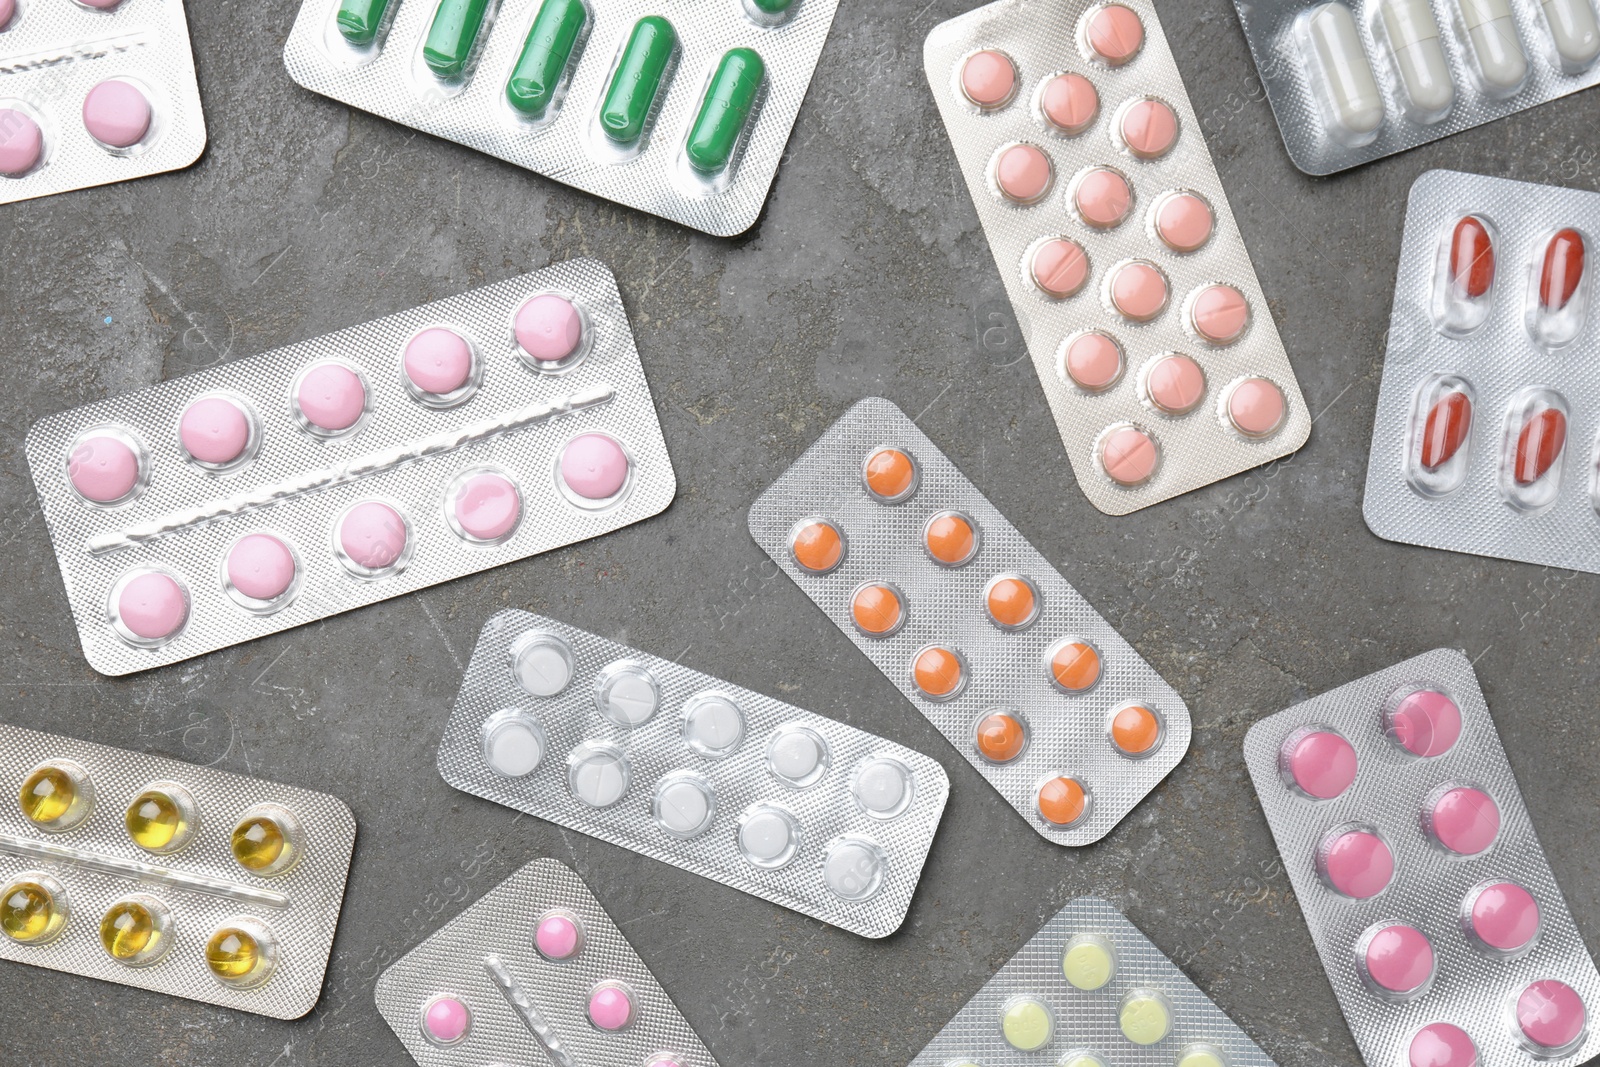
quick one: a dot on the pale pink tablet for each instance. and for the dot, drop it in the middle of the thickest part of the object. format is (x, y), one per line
(1425, 723)
(1399, 959)
(594, 466)
(8, 8)
(1114, 33)
(1092, 361)
(610, 1007)
(331, 397)
(1129, 456)
(486, 506)
(1138, 291)
(103, 469)
(1550, 1014)
(1256, 407)
(1184, 222)
(1464, 820)
(1504, 916)
(261, 567)
(1023, 173)
(1175, 384)
(1442, 1045)
(101, 5)
(1219, 313)
(21, 143)
(1356, 863)
(372, 535)
(1149, 128)
(1102, 198)
(214, 430)
(153, 606)
(1059, 267)
(438, 361)
(1070, 103)
(1321, 764)
(446, 1020)
(548, 328)
(989, 79)
(557, 937)
(116, 113)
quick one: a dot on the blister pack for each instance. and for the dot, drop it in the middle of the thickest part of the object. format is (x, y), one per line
(978, 630)
(1148, 328)
(1090, 990)
(162, 875)
(768, 798)
(1487, 434)
(1356, 80)
(354, 467)
(534, 972)
(1415, 864)
(681, 108)
(94, 92)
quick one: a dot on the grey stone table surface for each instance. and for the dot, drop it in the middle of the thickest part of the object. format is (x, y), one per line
(867, 274)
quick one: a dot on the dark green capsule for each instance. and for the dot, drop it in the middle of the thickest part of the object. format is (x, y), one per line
(545, 55)
(725, 110)
(358, 20)
(633, 87)
(772, 7)
(450, 39)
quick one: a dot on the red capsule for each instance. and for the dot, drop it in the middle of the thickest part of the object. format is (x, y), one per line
(1471, 258)
(1539, 445)
(1563, 270)
(1446, 429)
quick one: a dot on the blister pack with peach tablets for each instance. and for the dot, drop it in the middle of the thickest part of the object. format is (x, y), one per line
(1487, 434)
(680, 108)
(641, 751)
(1414, 862)
(989, 642)
(1090, 990)
(534, 972)
(361, 465)
(94, 92)
(1147, 326)
(184, 880)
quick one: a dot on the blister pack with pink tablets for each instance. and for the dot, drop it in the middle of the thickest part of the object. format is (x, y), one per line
(361, 465)
(1413, 859)
(1487, 434)
(987, 639)
(1128, 275)
(641, 751)
(534, 972)
(94, 92)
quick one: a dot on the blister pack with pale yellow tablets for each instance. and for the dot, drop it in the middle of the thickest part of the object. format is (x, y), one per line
(166, 876)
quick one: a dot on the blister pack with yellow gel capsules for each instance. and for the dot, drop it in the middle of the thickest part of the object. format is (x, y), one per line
(184, 880)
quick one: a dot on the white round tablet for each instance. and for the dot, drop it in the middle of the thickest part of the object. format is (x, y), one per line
(513, 743)
(713, 725)
(597, 774)
(627, 694)
(768, 835)
(882, 787)
(684, 804)
(542, 663)
(797, 756)
(853, 868)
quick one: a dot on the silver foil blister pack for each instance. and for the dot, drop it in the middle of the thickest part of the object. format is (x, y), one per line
(987, 639)
(682, 109)
(534, 972)
(1148, 328)
(93, 92)
(1356, 80)
(638, 750)
(1487, 433)
(350, 468)
(166, 876)
(1412, 857)
(1090, 990)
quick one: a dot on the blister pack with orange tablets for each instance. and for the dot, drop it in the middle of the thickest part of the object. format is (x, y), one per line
(978, 630)
(1148, 328)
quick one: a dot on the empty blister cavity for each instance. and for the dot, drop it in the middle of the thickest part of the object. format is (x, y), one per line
(1533, 442)
(1464, 273)
(1346, 92)
(1417, 56)
(1574, 33)
(1439, 435)
(639, 75)
(728, 107)
(1558, 289)
(538, 81)
(1498, 58)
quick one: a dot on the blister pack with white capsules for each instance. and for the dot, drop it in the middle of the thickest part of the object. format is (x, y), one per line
(94, 92)
(1487, 435)
(337, 472)
(638, 750)
(1412, 857)
(1090, 990)
(534, 972)
(680, 108)
(1356, 80)
(161, 875)
(1148, 328)
(1067, 722)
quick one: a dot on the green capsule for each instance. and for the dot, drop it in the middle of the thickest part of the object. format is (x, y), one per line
(531, 88)
(450, 39)
(725, 110)
(358, 20)
(772, 7)
(633, 87)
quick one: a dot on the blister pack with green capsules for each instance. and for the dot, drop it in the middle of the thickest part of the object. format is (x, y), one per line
(681, 108)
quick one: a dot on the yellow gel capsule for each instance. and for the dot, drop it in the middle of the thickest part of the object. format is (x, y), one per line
(158, 820)
(32, 909)
(1144, 1017)
(1087, 962)
(258, 842)
(1201, 1056)
(1026, 1024)
(133, 931)
(56, 795)
(240, 954)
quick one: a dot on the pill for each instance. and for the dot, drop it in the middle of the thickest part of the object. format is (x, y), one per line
(437, 362)
(542, 663)
(1446, 428)
(853, 869)
(640, 70)
(451, 35)
(1069, 103)
(1113, 33)
(1058, 267)
(548, 328)
(1493, 33)
(1138, 290)
(767, 836)
(1425, 723)
(359, 20)
(877, 610)
(373, 538)
(261, 567)
(1356, 863)
(1256, 407)
(101, 5)
(772, 7)
(330, 398)
(595, 466)
(104, 468)
(1574, 30)
(116, 113)
(610, 1006)
(1442, 1045)
(241, 954)
(21, 143)
(1000, 736)
(1136, 730)
(1022, 173)
(713, 725)
(1219, 314)
(1102, 197)
(796, 754)
(682, 805)
(215, 430)
(598, 774)
(1091, 360)
(1464, 820)
(938, 673)
(1144, 1017)
(1175, 384)
(8, 10)
(1348, 86)
(1470, 264)
(531, 90)
(445, 1020)
(725, 111)
(1088, 962)
(1011, 601)
(1503, 916)
(1398, 959)
(1201, 1056)
(1183, 221)
(56, 796)
(33, 908)
(951, 538)
(1550, 1014)
(1149, 128)
(627, 694)
(267, 840)
(485, 507)
(988, 79)
(1418, 56)
(1128, 455)
(513, 743)
(152, 606)
(1074, 665)
(882, 787)
(890, 474)
(1539, 445)
(817, 546)
(1062, 802)
(134, 930)
(161, 819)
(558, 936)
(1026, 1023)
(1319, 763)
(1562, 270)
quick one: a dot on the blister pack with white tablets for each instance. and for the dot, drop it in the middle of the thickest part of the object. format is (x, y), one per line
(1091, 990)
(1356, 80)
(1487, 435)
(351, 468)
(1412, 857)
(162, 875)
(638, 750)
(1148, 328)
(680, 108)
(534, 972)
(1059, 713)
(94, 92)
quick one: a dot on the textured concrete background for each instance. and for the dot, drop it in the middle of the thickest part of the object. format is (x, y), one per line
(867, 274)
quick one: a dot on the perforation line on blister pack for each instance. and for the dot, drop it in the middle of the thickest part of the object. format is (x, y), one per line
(142, 872)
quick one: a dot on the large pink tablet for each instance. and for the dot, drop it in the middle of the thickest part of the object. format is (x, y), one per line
(610, 1007)
(8, 8)
(1092, 361)
(1113, 33)
(1356, 863)
(1129, 456)
(153, 606)
(1138, 290)
(1059, 267)
(1175, 384)
(101, 5)
(486, 506)
(261, 567)
(989, 79)
(445, 1020)
(1256, 407)
(104, 469)
(1069, 103)
(1149, 128)
(372, 535)
(1183, 221)
(557, 937)
(548, 328)
(594, 466)
(116, 113)
(214, 430)
(1550, 1014)
(1399, 959)
(1425, 723)
(1504, 916)
(1022, 173)
(1442, 1045)
(438, 361)
(331, 397)
(21, 143)
(1219, 313)
(1464, 820)
(1320, 763)
(1102, 198)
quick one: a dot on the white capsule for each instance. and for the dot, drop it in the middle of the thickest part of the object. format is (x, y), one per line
(1574, 31)
(1348, 86)
(1495, 45)
(1414, 43)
